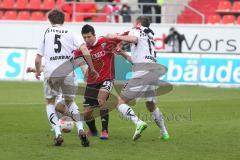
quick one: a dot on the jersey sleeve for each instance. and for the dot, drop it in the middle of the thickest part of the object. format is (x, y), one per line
(41, 46)
(40, 49)
(121, 34)
(134, 32)
(125, 33)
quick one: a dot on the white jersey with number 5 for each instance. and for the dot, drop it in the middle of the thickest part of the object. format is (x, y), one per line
(144, 50)
(57, 47)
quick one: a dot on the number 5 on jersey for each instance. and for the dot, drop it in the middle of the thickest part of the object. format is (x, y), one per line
(57, 42)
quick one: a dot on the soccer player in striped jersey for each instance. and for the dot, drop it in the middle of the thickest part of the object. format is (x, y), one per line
(146, 74)
(57, 46)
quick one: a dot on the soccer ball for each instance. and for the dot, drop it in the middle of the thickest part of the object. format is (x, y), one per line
(66, 124)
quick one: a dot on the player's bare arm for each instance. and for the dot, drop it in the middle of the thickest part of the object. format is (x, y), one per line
(126, 38)
(88, 59)
(33, 70)
(38, 64)
(84, 68)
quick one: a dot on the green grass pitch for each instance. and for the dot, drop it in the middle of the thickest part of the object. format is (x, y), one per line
(204, 124)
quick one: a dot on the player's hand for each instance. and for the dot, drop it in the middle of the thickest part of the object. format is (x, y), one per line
(110, 36)
(29, 70)
(37, 75)
(94, 73)
(118, 50)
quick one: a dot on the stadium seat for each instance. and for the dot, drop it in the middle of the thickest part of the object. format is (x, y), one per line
(79, 7)
(224, 6)
(7, 4)
(67, 17)
(1, 14)
(236, 6)
(48, 4)
(102, 18)
(10, 15)
(214, 19)
(21, 4)
(34, 4)
(79, 18)
(86, 8)
(180, 19)
(37, 16)
(59, 3)
(68, 8)
(228, 19)
(238, 20)
(23, 15)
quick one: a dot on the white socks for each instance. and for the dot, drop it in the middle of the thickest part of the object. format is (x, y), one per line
(52, 117)
(158, 118)
(128, 113)
(73, 109)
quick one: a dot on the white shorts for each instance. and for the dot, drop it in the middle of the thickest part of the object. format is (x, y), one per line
(141, 87)
(54, 87)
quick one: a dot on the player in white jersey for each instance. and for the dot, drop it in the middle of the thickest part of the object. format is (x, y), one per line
(146, 73)
(57, 47)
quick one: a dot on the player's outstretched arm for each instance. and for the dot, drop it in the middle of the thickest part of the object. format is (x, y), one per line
(33, 70)
(84, 69)
(120, 51)
(88, 59)
(30, 70)
(126, 38)
(38, 64)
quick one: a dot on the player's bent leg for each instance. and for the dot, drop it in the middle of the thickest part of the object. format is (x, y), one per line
(53, 119)
(50, 95)
(73, 109)
(128, 113)
(158, 118)
(103, 95)
(102, 98)
(71, 105)
(104, 113)
(126, 110)
(61, 110)
(60, 107)
(90, 121)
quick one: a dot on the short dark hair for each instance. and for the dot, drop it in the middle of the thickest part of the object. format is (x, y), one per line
(56, 16)
(88, 29)
(145, 21)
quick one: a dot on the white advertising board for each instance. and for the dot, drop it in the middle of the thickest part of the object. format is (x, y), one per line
(199, 38)
(183, 69)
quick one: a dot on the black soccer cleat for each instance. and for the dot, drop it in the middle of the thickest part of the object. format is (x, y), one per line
(84, 139)
(58, 141)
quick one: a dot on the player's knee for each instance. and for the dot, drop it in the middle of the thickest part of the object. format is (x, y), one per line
(150, 106)
(101, 102)
(120, 100)
(68, 101)
(87, 114)
(87, 117)
(60, 108)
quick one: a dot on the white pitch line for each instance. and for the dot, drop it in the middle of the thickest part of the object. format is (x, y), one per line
(21, 103)
(160, 100)
(197, 99)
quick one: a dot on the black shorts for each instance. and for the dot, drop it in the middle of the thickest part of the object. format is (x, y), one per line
(92, 90)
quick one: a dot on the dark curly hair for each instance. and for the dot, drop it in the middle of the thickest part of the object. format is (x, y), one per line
(56, 16)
